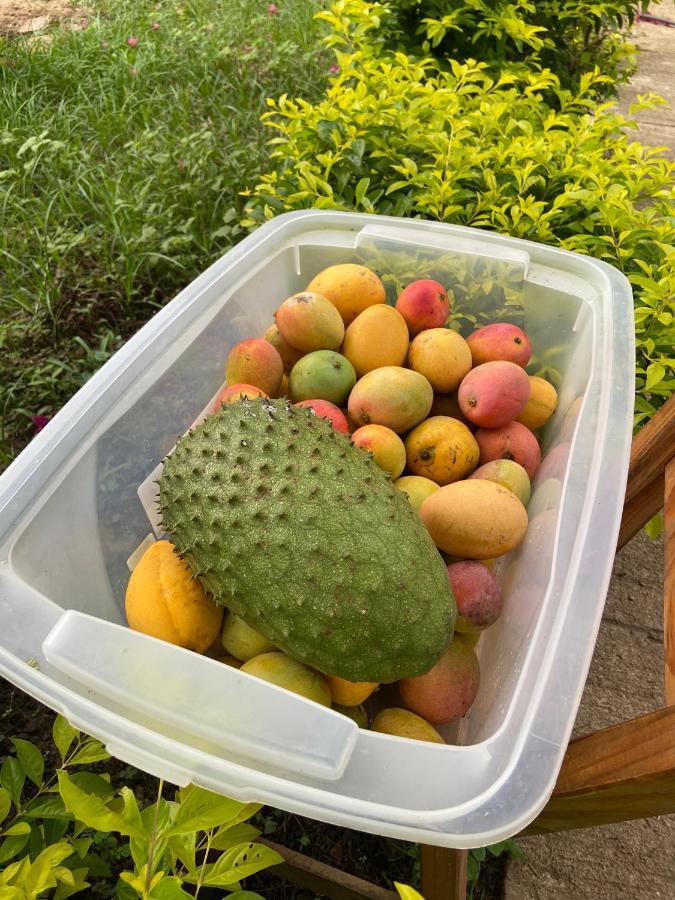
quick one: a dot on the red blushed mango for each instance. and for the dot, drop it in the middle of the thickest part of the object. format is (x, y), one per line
(447, 690)
(513, 441)
(233, 393)
(386, 446)
(477, 594)
(330, 411)
(423, 304)
(500, 341)
(494, 393)
(257, 363)
(309, 322)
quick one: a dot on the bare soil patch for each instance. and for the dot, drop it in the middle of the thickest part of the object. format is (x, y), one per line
(30, 16)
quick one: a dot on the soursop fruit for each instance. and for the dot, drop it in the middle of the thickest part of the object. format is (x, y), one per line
(301, 534)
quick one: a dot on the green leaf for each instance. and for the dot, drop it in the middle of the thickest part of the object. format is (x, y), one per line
(203, 809)
(46, 807)
(5, 804)
(124, 891)
(16, 839)
(405, 892)
(654, 527)
(93, 784)
(12, 778)
(182, 846)
(79, 884)
(41, 875)
(169, 889)
(361, 189)
(230, 835)
(237, 864)
(63, 734)
(92, 751)
(655, 374)
(31, 759)
(91, 810)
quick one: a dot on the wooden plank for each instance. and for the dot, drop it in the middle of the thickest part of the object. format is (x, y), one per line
(619, 773)
(324, 879)
(669, 585)
(652, 448)
(443, 873)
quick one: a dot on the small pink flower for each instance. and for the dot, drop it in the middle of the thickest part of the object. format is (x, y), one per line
(40, 422)
(334, 70)
(273, 9)
(133, 70)
(132, 41)
(155, 26)
(104, 45)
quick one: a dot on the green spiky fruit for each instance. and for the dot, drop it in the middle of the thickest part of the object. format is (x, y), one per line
(305, 538)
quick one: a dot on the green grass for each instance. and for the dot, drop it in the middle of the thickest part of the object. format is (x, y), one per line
(120, 173)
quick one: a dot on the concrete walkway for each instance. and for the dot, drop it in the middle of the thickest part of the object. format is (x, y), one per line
(633, 860)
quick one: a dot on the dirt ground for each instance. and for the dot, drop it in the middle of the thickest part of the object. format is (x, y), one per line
(29, 16)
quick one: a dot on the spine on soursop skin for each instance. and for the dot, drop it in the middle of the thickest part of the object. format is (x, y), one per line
(303, 536)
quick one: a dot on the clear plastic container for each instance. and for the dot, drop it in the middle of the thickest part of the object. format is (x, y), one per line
(71, 517)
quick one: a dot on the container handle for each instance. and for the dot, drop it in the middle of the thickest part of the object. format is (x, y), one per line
(206, 700)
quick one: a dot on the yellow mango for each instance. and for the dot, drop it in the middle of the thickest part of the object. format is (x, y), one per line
(164, 600)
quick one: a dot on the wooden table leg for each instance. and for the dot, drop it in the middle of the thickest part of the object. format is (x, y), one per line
(443, 873)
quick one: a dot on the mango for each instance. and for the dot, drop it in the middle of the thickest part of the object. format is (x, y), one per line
(448, 405)
(554, 464)
(357, 713)
(474, 519)
(330, 411)
(289, 355)
(233, 393)
(442, 449)
(403, 723)
(547, 496)
(350, 693)
(471, 638)
(284, 388)
(385, 445)
(322, 375)
(288, 673)
(423, 304)
(477, 593)
(446, 691)
(377, 337)
(513, 441)
(509, 474)
(416, 488)
(442, 356)
(229, 660)
(392, 396)
(494, 393)
(256, 362)
(308, 322)
(165, 600)
(349, 287)
(242, 641)
(500, 340)
(541, 404)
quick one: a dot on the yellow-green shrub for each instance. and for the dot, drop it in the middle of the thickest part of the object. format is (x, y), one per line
(515, 153)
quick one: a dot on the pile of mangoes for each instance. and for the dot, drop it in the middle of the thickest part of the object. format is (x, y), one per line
(453, 421)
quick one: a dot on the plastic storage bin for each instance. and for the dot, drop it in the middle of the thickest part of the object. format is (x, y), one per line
(71, 517)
